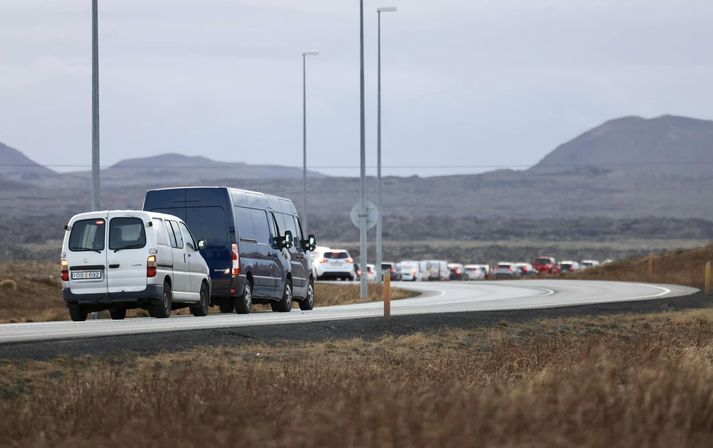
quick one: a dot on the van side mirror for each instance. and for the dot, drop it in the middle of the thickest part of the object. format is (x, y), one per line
(287, 240)
(201, 244)
(311, 243)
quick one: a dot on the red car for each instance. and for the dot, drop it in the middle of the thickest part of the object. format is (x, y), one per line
(547, 265)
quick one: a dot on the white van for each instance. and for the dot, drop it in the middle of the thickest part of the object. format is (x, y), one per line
(144, 260)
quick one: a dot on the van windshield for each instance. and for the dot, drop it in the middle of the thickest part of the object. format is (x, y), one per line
(126, 233)
(87, 235)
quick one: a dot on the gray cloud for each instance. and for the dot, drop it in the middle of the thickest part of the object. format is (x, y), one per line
(465, 83)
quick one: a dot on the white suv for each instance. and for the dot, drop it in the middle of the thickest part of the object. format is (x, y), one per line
(335, 264)
(143, 260)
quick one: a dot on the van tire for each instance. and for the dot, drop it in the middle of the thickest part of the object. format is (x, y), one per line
(244, 304)
(117, 313)
(307, 304)
(77, 313)
(285, 304)
(227, 305)
(162, 310)
(204, 305)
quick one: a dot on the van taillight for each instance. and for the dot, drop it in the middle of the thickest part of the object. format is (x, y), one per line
(151, 266)
(236, 261)
(64, 269)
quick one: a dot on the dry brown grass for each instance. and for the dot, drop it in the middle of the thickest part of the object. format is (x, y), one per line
(37, 294)
(681, 267)
(599, 382)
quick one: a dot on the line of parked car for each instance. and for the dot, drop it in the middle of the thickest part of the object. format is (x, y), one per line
(338, 264)
(188, 248)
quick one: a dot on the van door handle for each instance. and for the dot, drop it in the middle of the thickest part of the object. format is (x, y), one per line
(113, 266)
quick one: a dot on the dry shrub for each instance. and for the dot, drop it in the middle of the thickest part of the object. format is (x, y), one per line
(631, 382)
(681, 267)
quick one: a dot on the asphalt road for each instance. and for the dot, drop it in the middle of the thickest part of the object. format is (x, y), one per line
(436, 299)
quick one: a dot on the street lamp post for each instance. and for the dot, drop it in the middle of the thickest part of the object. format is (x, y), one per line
(304, 135)
(379, 240)
(363, 285)
(96, 203)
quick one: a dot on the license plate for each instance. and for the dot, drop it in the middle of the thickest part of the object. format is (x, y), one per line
(87, 275)
(337, 263)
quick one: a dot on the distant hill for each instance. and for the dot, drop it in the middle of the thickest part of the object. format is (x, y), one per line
(179, 169)
(667, 144)
(16, 165)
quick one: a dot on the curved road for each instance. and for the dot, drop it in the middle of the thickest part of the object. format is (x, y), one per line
(446, 297)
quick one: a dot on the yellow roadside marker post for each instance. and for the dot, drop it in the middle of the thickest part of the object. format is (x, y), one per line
(707, 288)
(651, 268)
(387, 295)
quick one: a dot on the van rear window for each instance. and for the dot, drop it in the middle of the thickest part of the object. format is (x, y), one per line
(126, 233)
(87, 235)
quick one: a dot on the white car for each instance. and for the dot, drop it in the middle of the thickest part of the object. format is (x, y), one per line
(335, 264)
(410, 271)
(118, 260)
(476, 271)
(507, 270)
(526, 269)
(371, 272)
(315, 257)
(569, 266)
(589, 264)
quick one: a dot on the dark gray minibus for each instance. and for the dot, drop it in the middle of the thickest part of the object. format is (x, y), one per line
(254, 245)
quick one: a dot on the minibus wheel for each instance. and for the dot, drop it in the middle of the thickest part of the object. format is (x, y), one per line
(117, 313)
(77, 313)
(307, 303)
(162, 309)
(202, 308)
(284, 305)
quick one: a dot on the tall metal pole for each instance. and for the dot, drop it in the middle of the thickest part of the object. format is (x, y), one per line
(379, 238)
(304, 143)
(304, 136)
(96, 203)
(363, 286)
(379, 248)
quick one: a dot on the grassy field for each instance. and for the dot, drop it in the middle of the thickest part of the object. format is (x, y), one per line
(31, 292)
(680, 267)
(618, 381)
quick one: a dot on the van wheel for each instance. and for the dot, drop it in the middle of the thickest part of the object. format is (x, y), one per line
(162, 310)
(77, 313)
(245, 303)
(227, 305)
(202, 308)
(307, 303)
(117, 313)
(284, 305)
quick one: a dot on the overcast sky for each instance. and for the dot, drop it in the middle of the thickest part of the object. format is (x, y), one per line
(466, 83)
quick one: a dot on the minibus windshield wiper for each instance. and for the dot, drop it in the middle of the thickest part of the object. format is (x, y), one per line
(85, 249)
(135, 246)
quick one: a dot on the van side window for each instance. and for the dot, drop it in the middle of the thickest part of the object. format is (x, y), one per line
(274, 227)
(177, 235)
(246, 230)
(87, 235)
(171, 237)
(260, 223)
(298, 225)
(289, 224)
(161, 237)
(187, 235)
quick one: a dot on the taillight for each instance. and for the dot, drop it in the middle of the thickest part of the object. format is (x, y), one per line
(151, 266)
(236, 261)
(64, 269)
(324, 260)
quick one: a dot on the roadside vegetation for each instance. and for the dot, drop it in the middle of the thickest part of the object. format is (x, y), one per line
(620, 381)
(31, 292)
(680, 267)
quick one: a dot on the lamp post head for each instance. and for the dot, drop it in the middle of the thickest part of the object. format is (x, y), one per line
(387, 9)
(310, 53)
